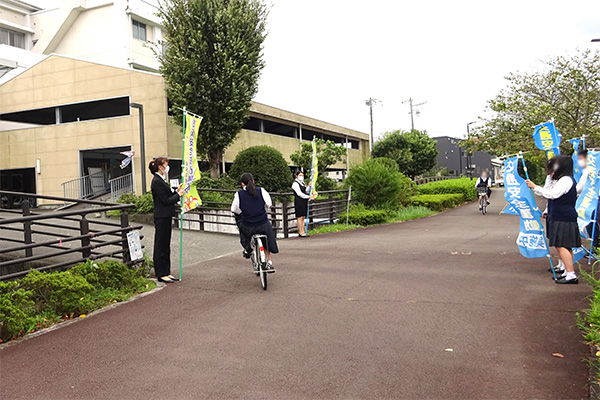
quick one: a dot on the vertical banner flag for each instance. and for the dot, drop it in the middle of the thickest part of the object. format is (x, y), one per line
(314, 171)
(531, 240)
(576, 168)
(190, 172)
(547, 138)
(587, 202)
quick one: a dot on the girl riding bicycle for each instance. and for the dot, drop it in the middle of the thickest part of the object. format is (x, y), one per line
(250, 207)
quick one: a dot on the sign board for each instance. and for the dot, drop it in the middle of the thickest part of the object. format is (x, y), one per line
(135, 246)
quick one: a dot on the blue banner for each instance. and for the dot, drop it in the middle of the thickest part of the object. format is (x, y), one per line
(587, 202)
(578, 253)
(552, 152)
(547, 138)
(576, 168)
(531, 240)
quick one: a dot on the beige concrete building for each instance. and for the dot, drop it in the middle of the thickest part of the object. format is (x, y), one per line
(64, 123)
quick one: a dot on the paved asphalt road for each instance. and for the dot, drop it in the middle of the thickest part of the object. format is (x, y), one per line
(364, 314)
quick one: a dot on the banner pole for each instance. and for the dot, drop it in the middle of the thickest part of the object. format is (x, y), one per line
(593, 235)
(348, 207)
(538, 218)
(181, 202)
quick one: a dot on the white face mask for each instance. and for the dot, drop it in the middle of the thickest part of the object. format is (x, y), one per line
(581, 163)
(166, 171)
(301, 178)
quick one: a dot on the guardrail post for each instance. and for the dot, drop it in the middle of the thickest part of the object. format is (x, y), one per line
(331, 209)
(84, 227)
(125, 244)
(27, 234)
(284, 216)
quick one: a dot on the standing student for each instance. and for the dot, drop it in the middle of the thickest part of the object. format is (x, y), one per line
(164, 211)
(301, 197)
(561, 221)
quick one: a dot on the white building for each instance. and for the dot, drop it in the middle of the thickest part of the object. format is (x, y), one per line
(121, 33)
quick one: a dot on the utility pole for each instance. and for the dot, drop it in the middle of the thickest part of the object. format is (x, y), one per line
(469, 160)
(370, 103)
(413, 111)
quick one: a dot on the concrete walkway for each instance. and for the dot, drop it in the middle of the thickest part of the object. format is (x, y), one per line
(365, 314)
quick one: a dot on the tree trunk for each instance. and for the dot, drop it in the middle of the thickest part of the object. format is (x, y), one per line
(214, 160)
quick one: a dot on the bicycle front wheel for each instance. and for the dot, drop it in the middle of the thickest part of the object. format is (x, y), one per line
(263, 278)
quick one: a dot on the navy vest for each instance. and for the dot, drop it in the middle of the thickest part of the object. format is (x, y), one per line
(253, 209)
(483, 183)
(563, 208)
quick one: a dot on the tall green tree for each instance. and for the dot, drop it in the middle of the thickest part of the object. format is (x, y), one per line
(414, 151)
(566, 89)
(211, 65)
(328, 153)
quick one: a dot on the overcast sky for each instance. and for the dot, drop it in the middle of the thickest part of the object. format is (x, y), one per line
(324, 58)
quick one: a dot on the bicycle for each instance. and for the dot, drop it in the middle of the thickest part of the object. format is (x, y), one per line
(259, 258)
(482, 193)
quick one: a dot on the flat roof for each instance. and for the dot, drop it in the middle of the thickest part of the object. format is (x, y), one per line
(284, 115)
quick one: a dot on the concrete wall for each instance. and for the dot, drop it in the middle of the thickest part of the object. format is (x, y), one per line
(59, 80)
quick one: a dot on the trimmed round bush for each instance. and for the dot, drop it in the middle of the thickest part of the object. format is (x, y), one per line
(267, 165)
(376, 183)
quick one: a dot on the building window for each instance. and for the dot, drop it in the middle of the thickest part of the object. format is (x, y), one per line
(12, 38)
(139, 30)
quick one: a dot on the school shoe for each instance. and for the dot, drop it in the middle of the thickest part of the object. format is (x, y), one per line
(245, 254)
(270, 269)
(565, 281)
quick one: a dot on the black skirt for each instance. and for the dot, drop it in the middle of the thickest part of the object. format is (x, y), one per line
(562, 234)
(301, 206)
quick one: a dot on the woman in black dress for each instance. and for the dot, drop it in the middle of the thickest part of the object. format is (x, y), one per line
(301, 197)
(164, 211)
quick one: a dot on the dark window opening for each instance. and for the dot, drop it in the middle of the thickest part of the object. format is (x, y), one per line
(354, 144)
(276, 128)
(98, 109)
(307, 134)
(253, 124)
(139, 30)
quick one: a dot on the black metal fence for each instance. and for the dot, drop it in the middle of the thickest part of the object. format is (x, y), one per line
(48, 240)
(214, 214)
(422, 181)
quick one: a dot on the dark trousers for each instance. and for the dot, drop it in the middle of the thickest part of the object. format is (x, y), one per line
(246, 233)
(162, 247)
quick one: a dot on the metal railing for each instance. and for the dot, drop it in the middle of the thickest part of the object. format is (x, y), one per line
(121, 185)
(87, 186)
(52, 240)
(214, 214)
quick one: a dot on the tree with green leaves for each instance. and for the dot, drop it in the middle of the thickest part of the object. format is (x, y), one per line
(328, 154)
(566, 89)
(211, 65)
(414, 151)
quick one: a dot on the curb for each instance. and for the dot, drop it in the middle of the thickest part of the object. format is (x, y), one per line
(159, 286)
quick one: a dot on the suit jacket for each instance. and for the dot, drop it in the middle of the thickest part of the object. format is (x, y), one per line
(164, 198)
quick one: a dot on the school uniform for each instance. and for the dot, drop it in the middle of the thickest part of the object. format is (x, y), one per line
(484, 183)
(164, 210)
(301, 197)
(253, 219)
(561, 220)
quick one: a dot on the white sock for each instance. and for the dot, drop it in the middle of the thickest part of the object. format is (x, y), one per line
(571, 275)
(564, 273)
(561, 264)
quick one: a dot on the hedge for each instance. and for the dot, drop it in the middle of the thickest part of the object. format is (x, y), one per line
(438, 202)
(40, 299)
(464, 186)
(366, 217)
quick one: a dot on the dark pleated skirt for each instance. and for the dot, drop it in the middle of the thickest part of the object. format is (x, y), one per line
(301, 206)
(562, 234)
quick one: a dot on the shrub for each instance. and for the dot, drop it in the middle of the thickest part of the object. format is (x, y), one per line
(325, 183)
(366, 217)
(40, 299)
(224, 181)
(438, 202)
(144, 204)
(268, 166)
(464, 186)
(375, 183)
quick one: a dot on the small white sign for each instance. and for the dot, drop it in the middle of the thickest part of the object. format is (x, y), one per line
(135, 246)
(174, 183)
